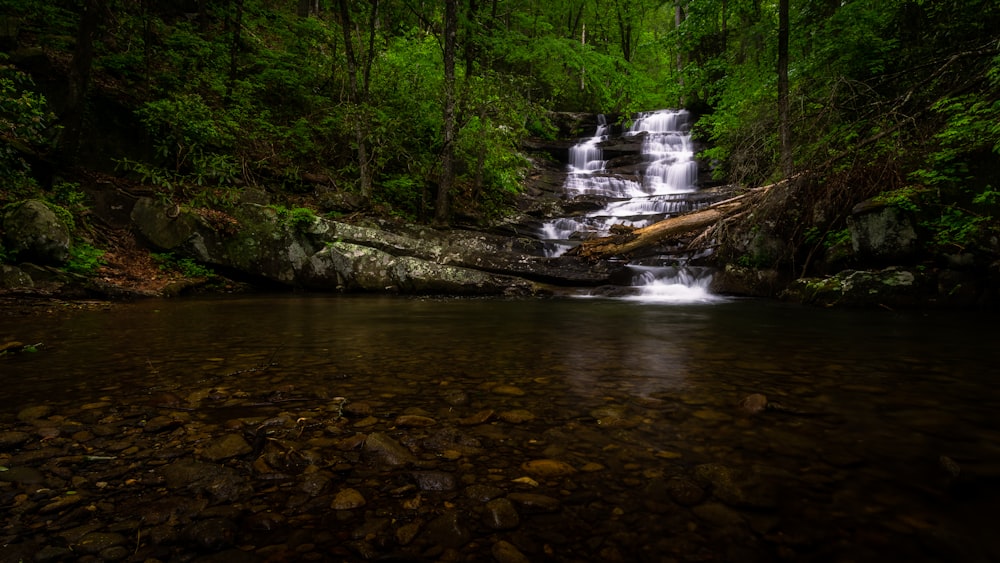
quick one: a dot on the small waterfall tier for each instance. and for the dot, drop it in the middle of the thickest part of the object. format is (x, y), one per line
(641, 176)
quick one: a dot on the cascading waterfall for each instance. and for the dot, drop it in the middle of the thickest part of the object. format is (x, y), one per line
(661, 184)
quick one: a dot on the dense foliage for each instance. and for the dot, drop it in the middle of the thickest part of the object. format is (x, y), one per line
(335, 98)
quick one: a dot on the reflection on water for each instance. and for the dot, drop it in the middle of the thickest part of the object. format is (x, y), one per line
(873, 399)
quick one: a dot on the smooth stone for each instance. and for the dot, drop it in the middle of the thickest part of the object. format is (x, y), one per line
(12, 439)
(719, 514)
(684, 491)
(22, 475)
(548, 468)
(447, 530)
(414, 421)
(161, 424)
(483, 493)
(500, 514)
(737, 488)
(505, 552)
(95, 542)
(476, 418)
(225, 447)
(508, 390)
(435, 481)
(29, 414)
(753, 404)
(348, 499)
(535, 502)
(382, 450)
(516, 416)
(211, 534)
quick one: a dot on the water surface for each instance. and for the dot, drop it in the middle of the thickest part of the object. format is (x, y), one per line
(869, 402)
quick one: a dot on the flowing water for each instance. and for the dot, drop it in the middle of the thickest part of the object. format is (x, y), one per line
(660, 182)
(882, 442)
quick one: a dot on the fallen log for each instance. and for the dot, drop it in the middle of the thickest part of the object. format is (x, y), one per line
(625, 240)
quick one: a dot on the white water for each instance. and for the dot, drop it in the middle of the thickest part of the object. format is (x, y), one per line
(660, 187)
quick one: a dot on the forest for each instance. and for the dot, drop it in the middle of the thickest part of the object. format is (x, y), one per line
(419, 110)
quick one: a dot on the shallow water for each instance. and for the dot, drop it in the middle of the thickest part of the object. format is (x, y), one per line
(850, 459)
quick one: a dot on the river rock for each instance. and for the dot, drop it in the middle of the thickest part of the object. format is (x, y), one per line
(500, 514)
(225, 447)
(10, 439)
(22, 475)
(36, 234)
(381, 450)
(211, 534)
(221, 483)
(548, 468)
(414, 421)
(753, 404)
(33, 413)
(684, 491)
(447, 530)
(12, 277)
(435, 480)
(535, 502)
(95, 542)
(348, 499)
(517, 416)
(739, 488)
(506, 552)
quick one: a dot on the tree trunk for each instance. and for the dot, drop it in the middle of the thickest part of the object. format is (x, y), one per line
(355, 94)
(79, 80)
(784, 128)
(448, 157)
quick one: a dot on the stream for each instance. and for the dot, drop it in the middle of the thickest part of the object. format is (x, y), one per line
(363, 428)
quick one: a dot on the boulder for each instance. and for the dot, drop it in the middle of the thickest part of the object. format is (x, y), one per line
(12, 277)
(882, 233)
(890, 287)
(36, 234)
(330, 255)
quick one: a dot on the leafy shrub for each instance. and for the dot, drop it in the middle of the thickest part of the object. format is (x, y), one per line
(184, 266)
(84, 259)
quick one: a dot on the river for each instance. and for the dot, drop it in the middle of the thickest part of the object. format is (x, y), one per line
(881, 441)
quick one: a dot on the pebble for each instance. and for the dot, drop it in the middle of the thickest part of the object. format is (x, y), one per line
(500, 514)
(548, 468)
(347, 499)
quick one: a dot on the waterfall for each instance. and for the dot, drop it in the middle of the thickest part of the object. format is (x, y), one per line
(636, 190)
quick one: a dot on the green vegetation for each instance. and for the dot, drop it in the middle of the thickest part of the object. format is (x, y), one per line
(84, 259)
(187, 267)
(373, 100)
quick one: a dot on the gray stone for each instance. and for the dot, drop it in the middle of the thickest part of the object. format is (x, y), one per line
(225, 447)
(500, 514)
(36, 234)
(435, 481)
(381, 450)
(12, 277)
(881, 233)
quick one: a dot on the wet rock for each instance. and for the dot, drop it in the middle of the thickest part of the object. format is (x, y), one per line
(684, 491)
(36, 233)
(535, 502)
(33, 413)
(225, 447)
(221, 483)
(348, 499)
(548, 468)
(161, 424)
(22, 475)
(500, 514)
(52, 553)
(210, 534)
(718, 514)
(381, 450)
(447, 530)
(455, 397)
(508, 390)
(95, 542)
(414, 421)
(407, 532)
(739, 488)
(753, 404)
(506, 552)
(435, 481)
(517, 416)
(476, 418)
(11, 439)
(483, 493)
(314, 484)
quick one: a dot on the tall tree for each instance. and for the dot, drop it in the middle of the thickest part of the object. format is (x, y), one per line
(79, 78)
(784, 127)
(449, 126)
(358, 89)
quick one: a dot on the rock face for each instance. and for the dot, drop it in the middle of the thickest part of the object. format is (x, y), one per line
(329, 255)
(881, 233)
(35, 234)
